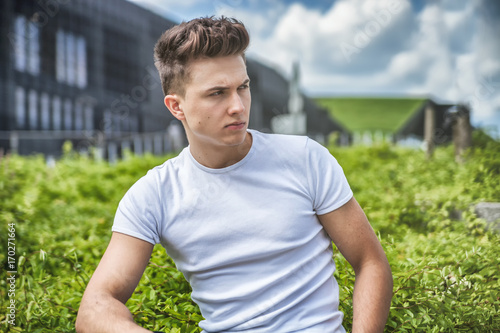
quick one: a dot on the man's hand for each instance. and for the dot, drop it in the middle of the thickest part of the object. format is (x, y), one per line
(103, 304)
(351, 232)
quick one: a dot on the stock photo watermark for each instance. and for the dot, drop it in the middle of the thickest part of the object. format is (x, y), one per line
(382, 19)
(48, 9)
(11, 274)
(121, 107)
(477, 91)
(484, 90)
(139, 93)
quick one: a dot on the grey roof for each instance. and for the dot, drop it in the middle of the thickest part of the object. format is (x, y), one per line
(414, 126)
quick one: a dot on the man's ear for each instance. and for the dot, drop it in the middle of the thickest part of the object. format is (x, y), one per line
(173, 103)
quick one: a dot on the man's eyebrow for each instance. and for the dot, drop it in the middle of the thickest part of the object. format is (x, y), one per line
(247, 81)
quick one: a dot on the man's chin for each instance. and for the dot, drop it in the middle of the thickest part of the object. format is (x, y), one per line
(241, 140)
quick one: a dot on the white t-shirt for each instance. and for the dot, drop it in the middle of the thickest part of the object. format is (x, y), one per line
(246, 237)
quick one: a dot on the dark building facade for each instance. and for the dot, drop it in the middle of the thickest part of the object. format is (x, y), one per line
(82, 70)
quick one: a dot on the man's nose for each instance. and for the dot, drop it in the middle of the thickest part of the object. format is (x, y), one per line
(236, 104)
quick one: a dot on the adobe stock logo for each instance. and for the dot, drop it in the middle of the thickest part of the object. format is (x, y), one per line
(372, 29)
(49, 9)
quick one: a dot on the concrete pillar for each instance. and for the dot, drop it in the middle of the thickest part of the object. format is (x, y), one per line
(125, 148)
(167, 144)
(357, 138)
(148, 143)
(429, 130)
(157, 144)
(367, 138)
(138, 145)
(462, 133)
(112, 153)
(14, 142)
(344, 139)
(99, 149)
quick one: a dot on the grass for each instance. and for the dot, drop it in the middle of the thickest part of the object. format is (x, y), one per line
(370, 114)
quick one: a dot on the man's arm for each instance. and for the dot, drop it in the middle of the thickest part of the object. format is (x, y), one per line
(103, 304)
(351, 232)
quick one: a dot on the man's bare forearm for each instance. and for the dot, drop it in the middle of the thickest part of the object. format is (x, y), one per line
(372, 298)
(103, 313)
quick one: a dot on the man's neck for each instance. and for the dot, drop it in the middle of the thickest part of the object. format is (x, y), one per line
(217, 157)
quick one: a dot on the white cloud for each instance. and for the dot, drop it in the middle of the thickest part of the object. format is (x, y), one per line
(319, 40)
(260, 17)
(362, 47)
(428, 62)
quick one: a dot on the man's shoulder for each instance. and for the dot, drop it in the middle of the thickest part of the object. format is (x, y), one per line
(287, 141)
(171, 163)
(164, 171)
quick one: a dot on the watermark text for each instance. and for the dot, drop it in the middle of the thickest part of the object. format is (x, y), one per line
(11, 274)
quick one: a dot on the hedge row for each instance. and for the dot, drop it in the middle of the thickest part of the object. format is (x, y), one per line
(445, 269)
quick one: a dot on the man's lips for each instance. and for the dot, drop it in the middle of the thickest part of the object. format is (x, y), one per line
(236, 124)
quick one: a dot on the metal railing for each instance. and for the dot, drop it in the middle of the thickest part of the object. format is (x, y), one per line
(108, 146)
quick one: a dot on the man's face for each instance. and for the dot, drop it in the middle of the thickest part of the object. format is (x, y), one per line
(216, 103)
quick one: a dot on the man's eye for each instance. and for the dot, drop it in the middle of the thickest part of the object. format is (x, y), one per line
(245, 86)
(217, 93)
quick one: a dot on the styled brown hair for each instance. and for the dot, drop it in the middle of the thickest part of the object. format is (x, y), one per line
(199, 38)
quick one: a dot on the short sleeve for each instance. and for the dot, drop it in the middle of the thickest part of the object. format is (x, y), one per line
(138, 214)
(327, 183)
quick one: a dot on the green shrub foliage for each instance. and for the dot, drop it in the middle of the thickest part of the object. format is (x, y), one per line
(445, 260)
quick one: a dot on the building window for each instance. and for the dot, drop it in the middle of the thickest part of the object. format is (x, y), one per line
(60, 57)
(33, 110)
(81, 62)
(68, 119)
(20, 43)
(56, 113)
(34, 49)
(71, 59)
(89, 118)
(20, 108)
(78, 116)
(45, 111)
(27, 46)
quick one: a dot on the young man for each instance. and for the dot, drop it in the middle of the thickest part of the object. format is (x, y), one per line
(247, 217)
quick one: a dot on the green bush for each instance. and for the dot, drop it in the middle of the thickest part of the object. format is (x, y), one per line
(445, 270)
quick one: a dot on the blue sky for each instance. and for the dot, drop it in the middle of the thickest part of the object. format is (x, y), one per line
(446, 49)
